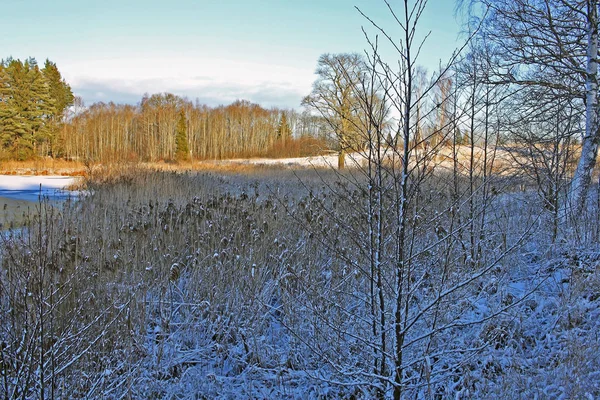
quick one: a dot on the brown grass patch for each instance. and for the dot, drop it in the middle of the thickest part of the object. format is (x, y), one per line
(43, 166)
(301, 147)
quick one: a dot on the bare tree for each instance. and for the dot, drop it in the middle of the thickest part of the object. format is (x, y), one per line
(382, 306)
(543, 130)
(552, 44)
(333, 97)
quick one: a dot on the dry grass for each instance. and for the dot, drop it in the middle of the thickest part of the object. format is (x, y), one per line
(172, 273)
(43, 166)
(293, 154)
(15, 213)
(301, 147)
(294, 148)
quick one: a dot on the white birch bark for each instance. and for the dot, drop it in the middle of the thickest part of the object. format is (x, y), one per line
(583, 174)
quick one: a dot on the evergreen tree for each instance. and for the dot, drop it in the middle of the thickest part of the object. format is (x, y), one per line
(284, 131)
(26, 107)
(60, 91)
(40, 108)
(62, 97)
(460, 137)
(182, 152)
(10, 124)
(465, 138)
(32, 104)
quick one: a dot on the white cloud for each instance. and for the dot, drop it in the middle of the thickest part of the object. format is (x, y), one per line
(217, 80)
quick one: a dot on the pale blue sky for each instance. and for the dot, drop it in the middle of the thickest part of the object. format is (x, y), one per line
(217, 51)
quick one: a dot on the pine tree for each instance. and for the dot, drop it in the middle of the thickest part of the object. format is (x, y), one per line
(25, 109)
(62, 97)
(11, 126)
(460, 137)
(32, 103)
(41, 107)
(182, 152)
(284, 131)
(60, 91)
(465, 138)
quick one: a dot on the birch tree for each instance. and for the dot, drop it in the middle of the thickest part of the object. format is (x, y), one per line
(551, 44)
(589, 152)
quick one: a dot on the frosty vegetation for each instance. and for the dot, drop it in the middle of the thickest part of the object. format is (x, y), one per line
(160, 285)
(441, 259)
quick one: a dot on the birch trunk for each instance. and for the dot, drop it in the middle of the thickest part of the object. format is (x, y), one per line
(583, 174)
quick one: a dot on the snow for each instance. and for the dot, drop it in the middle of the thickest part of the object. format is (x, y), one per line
(226, 335)
(325, 161)
(15, 182)
(31, 187)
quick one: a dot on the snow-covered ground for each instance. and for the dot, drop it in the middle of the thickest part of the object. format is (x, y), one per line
(32, 187)
(324, 161)
(213, 292)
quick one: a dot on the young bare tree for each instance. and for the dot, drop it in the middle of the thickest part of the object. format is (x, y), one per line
(385, 304)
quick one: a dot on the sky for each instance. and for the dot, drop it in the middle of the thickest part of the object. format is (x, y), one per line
(216, 51)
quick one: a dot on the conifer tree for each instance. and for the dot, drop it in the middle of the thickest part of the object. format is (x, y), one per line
(182, 152)
(25, 108)
(461, 137)
(62, 97)
(40, 107)
(60, 91)
(32, 104)
(5, 111)
(284, 131)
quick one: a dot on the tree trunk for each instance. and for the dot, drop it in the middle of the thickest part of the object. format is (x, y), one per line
(589, 151)
(342, 159)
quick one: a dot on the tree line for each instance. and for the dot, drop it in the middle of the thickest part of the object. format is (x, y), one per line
(40, 117)
(165, 126)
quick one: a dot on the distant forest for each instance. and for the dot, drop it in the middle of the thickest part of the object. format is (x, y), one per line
(40, 117)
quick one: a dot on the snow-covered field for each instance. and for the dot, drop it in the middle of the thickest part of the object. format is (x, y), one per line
(325, 161)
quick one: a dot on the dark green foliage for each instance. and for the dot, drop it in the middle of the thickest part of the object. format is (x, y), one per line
(62, 97)
(284, 131)
(32, 102)
(182, 151)
(26, 106)
(60, 91)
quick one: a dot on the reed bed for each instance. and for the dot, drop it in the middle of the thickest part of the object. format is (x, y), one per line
(253, 284)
